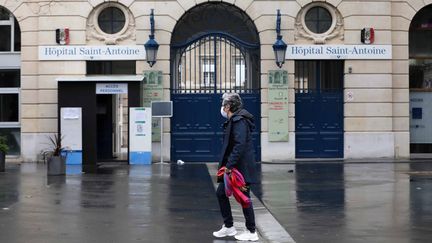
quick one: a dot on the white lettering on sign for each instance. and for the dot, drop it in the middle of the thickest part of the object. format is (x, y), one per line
(339, 52)
(91, 53)
(111, 88)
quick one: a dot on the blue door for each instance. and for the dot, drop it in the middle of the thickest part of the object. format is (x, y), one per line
(196, 126)
(204, 69)
(215, 49)
(319, 109)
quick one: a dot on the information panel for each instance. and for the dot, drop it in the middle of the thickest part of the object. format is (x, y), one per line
(153, 91)
(140, 135)
(278, 106)
(71, 131)
(420, 117)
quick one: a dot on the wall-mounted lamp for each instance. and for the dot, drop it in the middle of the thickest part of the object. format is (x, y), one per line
(279, 47)
(151, 46)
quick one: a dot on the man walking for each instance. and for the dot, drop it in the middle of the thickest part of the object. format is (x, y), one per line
(237, 152)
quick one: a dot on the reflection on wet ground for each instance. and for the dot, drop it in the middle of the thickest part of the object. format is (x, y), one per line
(367, 202)
(159, 203)
(314, 202)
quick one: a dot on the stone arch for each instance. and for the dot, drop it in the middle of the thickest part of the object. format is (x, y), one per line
(247, 32)
(420, 79)
(214, 48)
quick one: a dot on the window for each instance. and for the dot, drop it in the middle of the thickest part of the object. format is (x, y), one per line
(209, 79)
(4, 14)
(111, 20)
(240, 72)
(8, 107)
(111, 67)
(13, 137)
(10, 82)
(208, 70)
(420, 34)
(318, 20)
(10, 34)
(318, 76)
(9, 78)
(420, 73)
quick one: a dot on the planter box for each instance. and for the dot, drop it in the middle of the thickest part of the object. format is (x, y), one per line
(56, 165)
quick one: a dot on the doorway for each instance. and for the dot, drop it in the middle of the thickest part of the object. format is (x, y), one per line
(100, 113)
(420, 84)
(112, 135)
(319, 109)
(215, 49)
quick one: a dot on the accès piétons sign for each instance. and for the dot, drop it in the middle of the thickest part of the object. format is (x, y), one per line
(339, 52)
(112, 52)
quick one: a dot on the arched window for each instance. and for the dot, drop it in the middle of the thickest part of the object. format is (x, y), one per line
(10, 37)
(420, 81)
(10, 80)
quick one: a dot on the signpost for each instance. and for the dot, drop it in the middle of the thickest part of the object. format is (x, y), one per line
(161, 109)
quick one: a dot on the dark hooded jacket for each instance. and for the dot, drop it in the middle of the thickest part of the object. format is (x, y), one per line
(237, 149)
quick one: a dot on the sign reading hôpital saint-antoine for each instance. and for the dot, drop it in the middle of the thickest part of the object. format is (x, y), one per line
(322, 52)
(58, 53)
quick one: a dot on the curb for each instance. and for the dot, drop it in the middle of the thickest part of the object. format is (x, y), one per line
(268, 228)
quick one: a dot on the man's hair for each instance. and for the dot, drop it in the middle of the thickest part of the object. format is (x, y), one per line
(233, 100)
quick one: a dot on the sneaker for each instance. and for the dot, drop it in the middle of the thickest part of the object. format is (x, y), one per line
(224, 231)
(247, 236)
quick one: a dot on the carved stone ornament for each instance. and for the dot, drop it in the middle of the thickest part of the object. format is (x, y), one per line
(336, 29)
(94, 32)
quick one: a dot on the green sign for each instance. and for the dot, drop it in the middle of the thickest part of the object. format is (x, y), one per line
(152, 90)
(278, 106)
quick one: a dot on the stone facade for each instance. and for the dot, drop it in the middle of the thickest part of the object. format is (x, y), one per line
(376, 120)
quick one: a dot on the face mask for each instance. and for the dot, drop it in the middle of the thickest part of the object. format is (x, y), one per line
(223, 113)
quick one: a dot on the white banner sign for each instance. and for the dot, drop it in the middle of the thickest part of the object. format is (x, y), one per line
(313, 52)
(92, 52)
(111, 88)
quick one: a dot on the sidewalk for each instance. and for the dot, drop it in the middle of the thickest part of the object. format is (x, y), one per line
(158, 203)
(268, 228)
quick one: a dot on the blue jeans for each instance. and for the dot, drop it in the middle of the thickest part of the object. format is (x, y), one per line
(225, 208)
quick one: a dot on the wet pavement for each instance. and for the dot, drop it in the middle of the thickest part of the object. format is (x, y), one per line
(336, 202)
(159, 203)
(313, 202)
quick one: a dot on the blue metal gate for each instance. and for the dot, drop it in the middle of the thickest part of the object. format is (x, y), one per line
(202, 70)
(319, 109)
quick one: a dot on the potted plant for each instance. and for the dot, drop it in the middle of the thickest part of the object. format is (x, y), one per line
(56, 161)
(3, 150)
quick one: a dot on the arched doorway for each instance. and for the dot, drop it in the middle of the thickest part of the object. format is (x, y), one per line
(215, 49)
(420, 81)
(10, 81)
